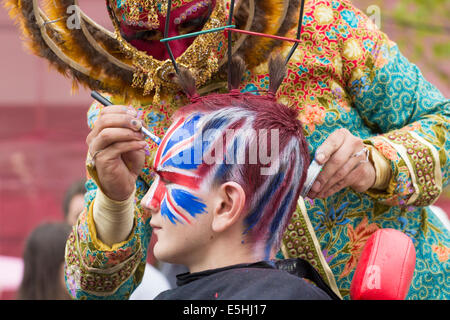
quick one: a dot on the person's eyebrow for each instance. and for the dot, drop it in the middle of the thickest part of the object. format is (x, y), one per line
(162, 175)
(179, 178)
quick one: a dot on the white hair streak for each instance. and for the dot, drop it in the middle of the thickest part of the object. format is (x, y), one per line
(295, 184)
(291, 150)
(242, 137)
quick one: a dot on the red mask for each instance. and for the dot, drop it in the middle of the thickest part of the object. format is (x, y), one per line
(189, 17)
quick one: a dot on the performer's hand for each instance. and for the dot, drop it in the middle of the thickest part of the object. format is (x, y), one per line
(345, 165)
(118, 148)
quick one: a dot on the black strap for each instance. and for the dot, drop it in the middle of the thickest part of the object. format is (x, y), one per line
(303, 269)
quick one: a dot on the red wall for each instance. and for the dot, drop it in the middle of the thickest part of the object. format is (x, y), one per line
(42, 135)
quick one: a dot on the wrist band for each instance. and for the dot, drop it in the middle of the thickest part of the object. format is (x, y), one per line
(382, 169)
(113, 219)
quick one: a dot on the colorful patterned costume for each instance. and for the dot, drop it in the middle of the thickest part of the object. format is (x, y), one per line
(345, 73)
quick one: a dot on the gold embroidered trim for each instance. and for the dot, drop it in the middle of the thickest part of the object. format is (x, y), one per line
(437, 164)
(419, 159)
(404, 155)
(201, 58)
(99, 282)
(300, 241)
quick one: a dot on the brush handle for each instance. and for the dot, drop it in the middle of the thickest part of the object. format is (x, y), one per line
(97, 96)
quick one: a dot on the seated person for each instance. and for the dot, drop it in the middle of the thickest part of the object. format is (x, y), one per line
(73, 203)
(227, 176)
(221, 217)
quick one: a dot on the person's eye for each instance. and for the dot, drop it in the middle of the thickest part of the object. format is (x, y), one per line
(148, 35)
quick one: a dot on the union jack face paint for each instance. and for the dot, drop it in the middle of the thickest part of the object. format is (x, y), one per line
(176, 165)
(187, 161)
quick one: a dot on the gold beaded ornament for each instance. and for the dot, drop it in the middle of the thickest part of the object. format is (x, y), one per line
(152, 75)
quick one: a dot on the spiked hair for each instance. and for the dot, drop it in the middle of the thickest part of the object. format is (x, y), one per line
(238, 119)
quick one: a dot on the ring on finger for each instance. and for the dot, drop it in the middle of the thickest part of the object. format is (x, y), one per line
(91, 158)
(365, 151)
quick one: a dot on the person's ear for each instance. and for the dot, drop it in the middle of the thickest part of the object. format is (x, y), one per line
(229, 206)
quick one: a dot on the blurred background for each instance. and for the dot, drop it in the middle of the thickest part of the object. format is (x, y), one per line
(43, 120)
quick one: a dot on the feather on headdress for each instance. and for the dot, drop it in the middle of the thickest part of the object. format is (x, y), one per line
(90, 55)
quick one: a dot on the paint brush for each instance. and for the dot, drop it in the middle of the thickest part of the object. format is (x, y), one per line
(97, 96)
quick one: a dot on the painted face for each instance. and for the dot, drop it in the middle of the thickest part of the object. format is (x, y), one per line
(187, 162)
(144, 34)
(176, 199)
(177, 182)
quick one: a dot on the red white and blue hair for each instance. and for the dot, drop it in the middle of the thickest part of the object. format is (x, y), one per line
(226, 128)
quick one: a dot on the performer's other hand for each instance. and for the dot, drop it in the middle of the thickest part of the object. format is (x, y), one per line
(345, 165)
(118, 148)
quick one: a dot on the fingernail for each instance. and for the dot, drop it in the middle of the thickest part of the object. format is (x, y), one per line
(320, 157)
(132, 112)
(316, 186)
(136, 124)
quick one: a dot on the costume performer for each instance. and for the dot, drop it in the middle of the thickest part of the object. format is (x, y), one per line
(345, 73)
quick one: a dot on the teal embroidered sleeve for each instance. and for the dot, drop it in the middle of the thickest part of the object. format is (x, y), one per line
(408, 116)
(412, 117)
(94, 270)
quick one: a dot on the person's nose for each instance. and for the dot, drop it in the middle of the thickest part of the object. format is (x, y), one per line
(154, 205)
(152, 199)
(150, 204)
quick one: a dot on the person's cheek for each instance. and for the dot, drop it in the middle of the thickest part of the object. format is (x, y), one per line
(189, 202)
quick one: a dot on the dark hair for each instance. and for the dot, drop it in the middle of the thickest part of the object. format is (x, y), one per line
(75, 188)
(43, 258)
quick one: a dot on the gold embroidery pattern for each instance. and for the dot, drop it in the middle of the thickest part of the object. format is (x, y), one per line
(134, 10)
(101, 282)
(423, 165)
(201, 58)
(300, 241)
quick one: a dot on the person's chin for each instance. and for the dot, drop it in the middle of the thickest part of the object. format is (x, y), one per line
(160, 252)
(164, 255)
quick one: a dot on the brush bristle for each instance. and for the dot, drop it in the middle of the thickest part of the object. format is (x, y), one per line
(277, 72)
(237, 69)
(185, 79)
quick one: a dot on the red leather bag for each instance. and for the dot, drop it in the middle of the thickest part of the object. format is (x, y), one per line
(385, 268)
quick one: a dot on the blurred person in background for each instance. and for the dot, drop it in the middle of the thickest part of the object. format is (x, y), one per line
(73, 203)
(43, 277)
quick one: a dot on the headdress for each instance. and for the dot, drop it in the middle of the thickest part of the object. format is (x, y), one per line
(276, 66)
(91, 55)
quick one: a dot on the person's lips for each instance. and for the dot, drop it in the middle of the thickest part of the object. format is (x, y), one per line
(154, 226)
